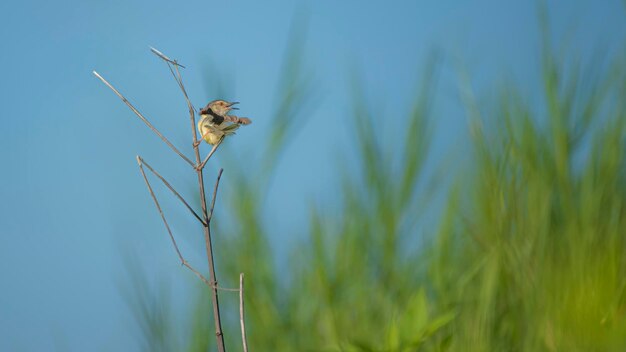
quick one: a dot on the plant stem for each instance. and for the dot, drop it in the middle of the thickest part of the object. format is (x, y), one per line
(207, 237)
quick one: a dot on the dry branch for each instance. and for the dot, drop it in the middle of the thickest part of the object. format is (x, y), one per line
(213, 150)
(207, 227)
(141, 161)
(207, 213)
(145, 120)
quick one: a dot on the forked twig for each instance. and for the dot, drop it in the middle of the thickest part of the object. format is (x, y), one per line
(165, 140)
(167, 226)
(241, 315)
(142, 161)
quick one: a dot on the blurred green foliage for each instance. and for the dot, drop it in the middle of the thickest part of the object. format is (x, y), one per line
(528, 255)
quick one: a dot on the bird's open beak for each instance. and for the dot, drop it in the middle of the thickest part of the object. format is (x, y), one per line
(233, 103)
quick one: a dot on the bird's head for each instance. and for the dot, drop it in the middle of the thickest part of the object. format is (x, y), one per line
(221, 107)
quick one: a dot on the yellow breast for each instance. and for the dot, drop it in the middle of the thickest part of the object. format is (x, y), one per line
(210, 136)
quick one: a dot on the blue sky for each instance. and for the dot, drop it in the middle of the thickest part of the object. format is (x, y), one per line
(72, 200)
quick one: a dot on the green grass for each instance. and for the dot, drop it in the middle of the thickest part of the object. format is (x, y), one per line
(528, 254)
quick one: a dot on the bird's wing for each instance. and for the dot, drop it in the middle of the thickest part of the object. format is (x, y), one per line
(229, 129)
(212, 127)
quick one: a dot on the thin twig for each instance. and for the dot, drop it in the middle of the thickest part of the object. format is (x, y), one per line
(167, 59)
(165, 140)
(177, 75)
(167, 226)
(241, 315)
(201, 166)
(179, 79)
(217, 183)
(142, 161)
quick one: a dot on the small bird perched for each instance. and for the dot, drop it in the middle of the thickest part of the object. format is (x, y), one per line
(215, 123)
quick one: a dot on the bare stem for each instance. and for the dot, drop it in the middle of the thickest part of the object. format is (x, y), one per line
(165, 140)
(213, 150)
(209, 249)
(179, 79)
(207, 228)
(142, 161)
(241, 315)
(217, 183)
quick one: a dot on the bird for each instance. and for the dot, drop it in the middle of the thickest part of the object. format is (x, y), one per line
(215, 122)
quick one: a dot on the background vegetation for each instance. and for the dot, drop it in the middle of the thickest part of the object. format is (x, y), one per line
(528, 253)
